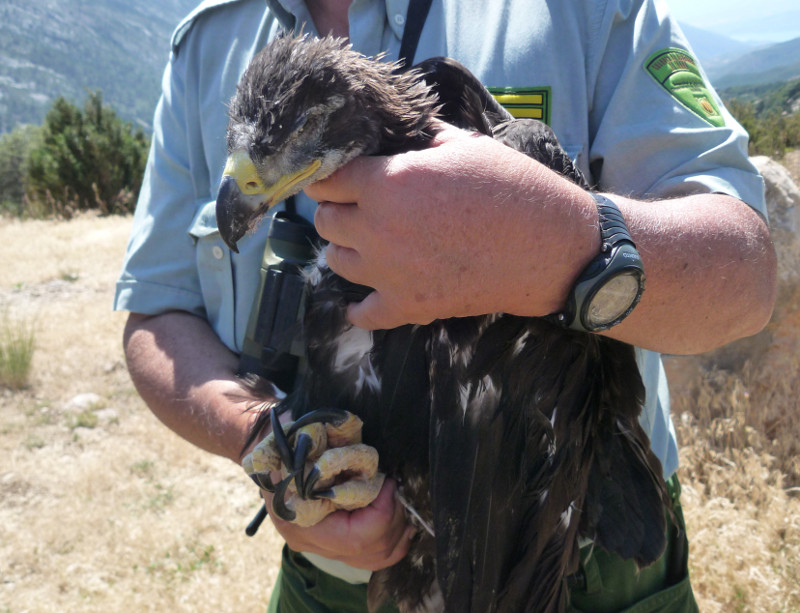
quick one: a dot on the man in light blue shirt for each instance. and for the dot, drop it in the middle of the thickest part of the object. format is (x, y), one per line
(617, 83)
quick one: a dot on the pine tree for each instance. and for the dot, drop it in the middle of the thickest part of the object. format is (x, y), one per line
(87, 159)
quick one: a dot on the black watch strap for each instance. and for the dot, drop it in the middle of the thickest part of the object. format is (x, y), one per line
(618, 255)
(613, 229)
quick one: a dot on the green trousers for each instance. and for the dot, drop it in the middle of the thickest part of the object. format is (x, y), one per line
(604, 582)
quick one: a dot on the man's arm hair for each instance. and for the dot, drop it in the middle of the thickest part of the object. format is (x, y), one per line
(186, 375)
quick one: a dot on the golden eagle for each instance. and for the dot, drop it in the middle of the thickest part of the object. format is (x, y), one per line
(511, 437)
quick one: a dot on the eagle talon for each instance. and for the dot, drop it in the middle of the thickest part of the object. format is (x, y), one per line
(279, 500)
(282, 442)
(327, 494)
(303, 446)
(263, 481)
(311, 480)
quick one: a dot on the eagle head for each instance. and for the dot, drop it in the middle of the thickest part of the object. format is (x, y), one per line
(305, 107)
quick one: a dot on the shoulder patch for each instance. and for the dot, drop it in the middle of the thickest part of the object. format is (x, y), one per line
(677, 71)
(524, 102)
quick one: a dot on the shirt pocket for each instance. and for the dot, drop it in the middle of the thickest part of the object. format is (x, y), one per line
(213, 260)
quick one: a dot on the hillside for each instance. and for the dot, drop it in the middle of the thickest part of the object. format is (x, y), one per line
(780, 97)
(730, 62)
(68, 47)
(771, 64)
(715, 51)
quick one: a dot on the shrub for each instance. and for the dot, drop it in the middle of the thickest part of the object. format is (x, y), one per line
(772, 131)
(87, 159)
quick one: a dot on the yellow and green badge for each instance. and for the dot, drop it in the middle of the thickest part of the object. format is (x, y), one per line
(524, 102)
(677, 72)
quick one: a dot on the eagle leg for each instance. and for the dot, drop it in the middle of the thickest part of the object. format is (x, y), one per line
(322, 463)
(304, 441)
(340, 478)
(336, 417)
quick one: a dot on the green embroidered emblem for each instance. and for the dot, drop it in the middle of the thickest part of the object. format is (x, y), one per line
(524, 102)
(677, 72)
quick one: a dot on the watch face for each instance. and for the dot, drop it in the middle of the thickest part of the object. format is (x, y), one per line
(613, 300)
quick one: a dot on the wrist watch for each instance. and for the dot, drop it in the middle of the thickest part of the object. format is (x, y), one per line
(611, 285)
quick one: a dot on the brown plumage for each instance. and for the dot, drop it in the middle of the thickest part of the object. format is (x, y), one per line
(511, 436)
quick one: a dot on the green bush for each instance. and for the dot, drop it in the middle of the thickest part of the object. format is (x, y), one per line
(773, 130)
(86, 159)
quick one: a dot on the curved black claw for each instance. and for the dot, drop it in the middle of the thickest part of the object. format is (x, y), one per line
(279, 500)
(256, 522)
(263, 481)
(301, 451)
(282, 442)
(334, 416)
(311, 480)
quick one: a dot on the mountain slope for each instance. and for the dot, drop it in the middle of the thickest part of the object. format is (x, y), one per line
(713, 50)
(779, 62)
(68, 47)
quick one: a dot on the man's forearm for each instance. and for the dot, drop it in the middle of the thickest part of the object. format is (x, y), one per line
(469, 227)
(711, 273)
(186, 376)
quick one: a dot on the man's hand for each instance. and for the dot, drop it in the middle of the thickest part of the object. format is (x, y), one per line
(452, 230)
(469, 227)
(371, 538)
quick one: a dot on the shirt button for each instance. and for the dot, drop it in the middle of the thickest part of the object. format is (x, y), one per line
(218, 252)
(399, 19)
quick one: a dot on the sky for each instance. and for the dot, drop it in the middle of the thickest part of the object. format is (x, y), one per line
(742, 19)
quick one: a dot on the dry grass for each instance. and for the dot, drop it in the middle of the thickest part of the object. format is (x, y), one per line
(108, 511)
(737, 413)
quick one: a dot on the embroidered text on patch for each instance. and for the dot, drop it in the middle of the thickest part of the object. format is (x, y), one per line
(677, 72)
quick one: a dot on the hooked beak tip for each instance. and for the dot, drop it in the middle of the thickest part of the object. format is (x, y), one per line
(233, 215)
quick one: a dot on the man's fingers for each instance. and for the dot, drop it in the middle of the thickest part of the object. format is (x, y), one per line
(370, 314)
(399, 551)
(374, 537)
(375, 313)
(337, 222)
(348, 182)
(346, 263)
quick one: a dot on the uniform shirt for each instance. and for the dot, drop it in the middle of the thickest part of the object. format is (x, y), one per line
(597, 71)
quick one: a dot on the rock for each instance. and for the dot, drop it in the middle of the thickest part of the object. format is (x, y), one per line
(82, 402)
(107, 416)
(88, 435)
(783, 204)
